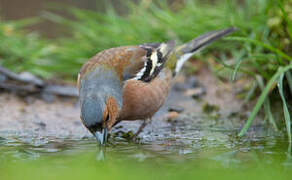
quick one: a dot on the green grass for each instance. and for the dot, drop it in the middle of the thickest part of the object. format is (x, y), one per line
(260, 49)
(93, 31)
(21, 51)
(272, 69)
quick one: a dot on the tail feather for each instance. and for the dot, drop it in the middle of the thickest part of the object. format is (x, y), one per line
(186, 51)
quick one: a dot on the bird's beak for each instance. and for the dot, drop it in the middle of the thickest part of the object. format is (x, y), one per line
(101, 137)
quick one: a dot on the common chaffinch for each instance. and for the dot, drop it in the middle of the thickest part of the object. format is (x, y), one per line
(132, 82)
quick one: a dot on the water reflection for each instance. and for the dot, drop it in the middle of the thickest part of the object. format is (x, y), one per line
(230, 153)
(101, 153)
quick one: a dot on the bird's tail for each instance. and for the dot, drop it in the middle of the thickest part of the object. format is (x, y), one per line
(187, 50)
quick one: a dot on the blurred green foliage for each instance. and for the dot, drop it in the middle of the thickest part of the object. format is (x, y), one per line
(91, 32)
(21, 51)
(144, 22)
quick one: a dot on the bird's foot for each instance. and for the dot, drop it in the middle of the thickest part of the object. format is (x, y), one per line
(143, 125)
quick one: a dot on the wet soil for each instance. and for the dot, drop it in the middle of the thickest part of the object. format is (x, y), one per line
(207, 103)
(37, 137)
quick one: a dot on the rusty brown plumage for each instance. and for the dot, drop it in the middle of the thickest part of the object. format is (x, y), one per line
(132, 82)
(121, 59)
(113, 112)
(141, 100)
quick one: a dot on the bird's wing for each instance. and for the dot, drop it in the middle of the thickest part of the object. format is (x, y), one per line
(156, 56)
(143, 62)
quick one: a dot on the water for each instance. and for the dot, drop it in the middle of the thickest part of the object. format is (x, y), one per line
(210, 154)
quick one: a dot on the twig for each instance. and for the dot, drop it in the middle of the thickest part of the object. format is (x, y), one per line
(61, 90)
(26, 78)
(20, 88)
(30, 83)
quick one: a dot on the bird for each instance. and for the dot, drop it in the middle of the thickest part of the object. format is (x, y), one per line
(129, 83)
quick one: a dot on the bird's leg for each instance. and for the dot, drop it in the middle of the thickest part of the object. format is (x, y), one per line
(143, 125)
(117, 122)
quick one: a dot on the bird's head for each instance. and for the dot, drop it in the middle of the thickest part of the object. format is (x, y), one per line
(100, 100)
(99, 115)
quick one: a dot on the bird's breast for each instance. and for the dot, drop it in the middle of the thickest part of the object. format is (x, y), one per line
(141, 100)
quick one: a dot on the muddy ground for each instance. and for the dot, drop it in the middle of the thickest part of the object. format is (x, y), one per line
(207, 102)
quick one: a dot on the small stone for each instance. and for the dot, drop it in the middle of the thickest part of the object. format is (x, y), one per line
(180, 87)
(29, 100)
(172, 116)
(41, 124)
(210, 108)
(22, 109)
(192, 81)
(177, 109)
(196, 92)
(233, 115)
(2, 78)
(48, 97)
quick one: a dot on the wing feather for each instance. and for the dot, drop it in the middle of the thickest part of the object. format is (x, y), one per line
(141, 63)
(155, 60)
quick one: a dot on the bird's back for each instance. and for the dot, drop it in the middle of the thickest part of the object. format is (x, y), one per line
(125, 61)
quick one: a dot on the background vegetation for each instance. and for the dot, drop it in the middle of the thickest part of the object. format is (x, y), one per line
(260, 49)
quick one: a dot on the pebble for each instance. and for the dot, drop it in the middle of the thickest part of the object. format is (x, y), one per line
(48, 97)
(177, 109)
(196, 92)
(41, 124)
(2, 78)
(190, 82)
(172, 116)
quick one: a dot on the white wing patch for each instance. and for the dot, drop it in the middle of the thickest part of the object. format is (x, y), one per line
(154, 59)
(141, 72)
(154, 63)
(181, 61)
(163, 48)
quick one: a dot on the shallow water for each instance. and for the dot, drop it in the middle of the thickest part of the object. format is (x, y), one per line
(211, 153)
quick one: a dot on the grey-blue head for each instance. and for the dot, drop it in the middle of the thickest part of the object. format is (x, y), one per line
(92, 110)
(100, 100)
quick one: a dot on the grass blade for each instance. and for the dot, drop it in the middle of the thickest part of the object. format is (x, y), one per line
(289, 79)
(232, 68)
(237, 66)
(262, 98)
(266, 46)
(285, 108)
(267, 106)
(250, 93)
(285, 15)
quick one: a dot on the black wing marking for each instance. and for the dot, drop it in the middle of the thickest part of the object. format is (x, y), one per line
(156, 56)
